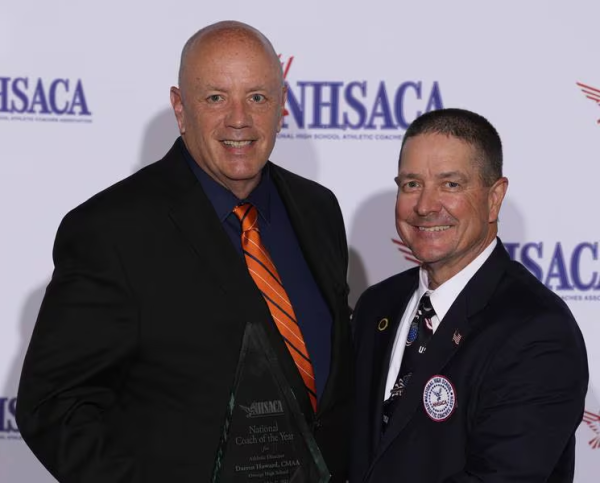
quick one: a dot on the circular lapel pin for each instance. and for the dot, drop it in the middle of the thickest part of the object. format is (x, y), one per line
(439, 398)
(383, 324)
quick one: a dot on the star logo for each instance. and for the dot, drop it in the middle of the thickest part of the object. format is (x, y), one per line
(593, 422)
(285, 67)
(591, 93)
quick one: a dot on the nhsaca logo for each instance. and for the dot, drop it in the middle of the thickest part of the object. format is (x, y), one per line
(355, 105)
(25, 98)
(263, 408)
(8, 424)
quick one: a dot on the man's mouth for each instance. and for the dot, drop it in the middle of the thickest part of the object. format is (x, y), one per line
(236, 144)
(433, 228)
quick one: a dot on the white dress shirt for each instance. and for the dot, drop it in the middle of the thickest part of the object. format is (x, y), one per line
(441, 298)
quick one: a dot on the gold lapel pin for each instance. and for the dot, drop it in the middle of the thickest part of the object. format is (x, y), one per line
(383, 324)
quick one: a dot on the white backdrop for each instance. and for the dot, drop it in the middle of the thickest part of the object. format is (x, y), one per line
(84, 102)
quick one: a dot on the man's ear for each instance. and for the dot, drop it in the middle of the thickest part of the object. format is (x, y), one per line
(177, 103)
(495, 198)
(283, 111)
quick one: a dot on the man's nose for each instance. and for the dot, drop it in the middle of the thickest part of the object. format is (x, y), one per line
(238, 115)
(428, 202)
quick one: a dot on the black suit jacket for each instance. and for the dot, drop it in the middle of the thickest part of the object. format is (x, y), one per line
(519, 372)
(132, 360)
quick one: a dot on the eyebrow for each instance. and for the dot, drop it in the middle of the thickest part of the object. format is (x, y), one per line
(444, 175)
(452, 174)
(257, 88)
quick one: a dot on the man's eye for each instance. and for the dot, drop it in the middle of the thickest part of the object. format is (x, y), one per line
(411, 184)
(258, 98)
(215, 98)
(452, 184)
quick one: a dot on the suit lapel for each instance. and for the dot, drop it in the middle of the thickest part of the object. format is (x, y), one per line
(198, 223)
(195, 218)
(383, 345)
(443, 346)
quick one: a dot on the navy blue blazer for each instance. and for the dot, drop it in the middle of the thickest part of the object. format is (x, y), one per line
(512, 376)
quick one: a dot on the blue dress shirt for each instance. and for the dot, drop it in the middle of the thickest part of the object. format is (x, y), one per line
(277, 234)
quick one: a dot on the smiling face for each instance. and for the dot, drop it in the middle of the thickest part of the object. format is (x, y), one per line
(444, 212)
(229, 107)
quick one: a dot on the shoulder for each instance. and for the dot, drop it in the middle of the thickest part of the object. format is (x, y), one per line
(530, 320)
(511, 294)
(530, 298)
(133, 199)
(536, 339)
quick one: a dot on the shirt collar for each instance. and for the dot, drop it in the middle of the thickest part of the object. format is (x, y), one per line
(444, 296)
(223, 200)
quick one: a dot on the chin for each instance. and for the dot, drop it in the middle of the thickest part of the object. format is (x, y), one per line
(243, 171)
(429, 256)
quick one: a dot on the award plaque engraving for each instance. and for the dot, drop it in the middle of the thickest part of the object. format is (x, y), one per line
(265, 436)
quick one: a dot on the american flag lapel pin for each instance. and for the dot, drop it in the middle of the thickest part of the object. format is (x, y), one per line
(457, 337)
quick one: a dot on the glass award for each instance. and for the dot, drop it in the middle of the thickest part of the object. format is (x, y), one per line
(265, 435)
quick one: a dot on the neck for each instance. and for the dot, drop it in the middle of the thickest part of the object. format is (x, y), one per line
(440, 272)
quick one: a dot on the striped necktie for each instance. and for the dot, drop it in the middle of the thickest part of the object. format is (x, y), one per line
(267, 279)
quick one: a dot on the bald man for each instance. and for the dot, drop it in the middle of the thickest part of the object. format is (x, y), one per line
(131, 365)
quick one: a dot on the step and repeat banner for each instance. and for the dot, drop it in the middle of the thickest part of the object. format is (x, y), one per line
(84, 102)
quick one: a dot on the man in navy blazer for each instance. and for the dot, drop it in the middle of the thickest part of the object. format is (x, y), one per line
(129, 373)
(468, 368)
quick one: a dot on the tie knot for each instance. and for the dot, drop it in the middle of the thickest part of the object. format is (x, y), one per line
(426, 307)
(248, 216)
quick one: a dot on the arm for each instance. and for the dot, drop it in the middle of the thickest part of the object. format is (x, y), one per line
(77, 360)
(529, 405)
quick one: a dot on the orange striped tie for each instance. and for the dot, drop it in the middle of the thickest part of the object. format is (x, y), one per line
(263, 271)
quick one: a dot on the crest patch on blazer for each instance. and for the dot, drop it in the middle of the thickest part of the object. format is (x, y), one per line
(439, 398)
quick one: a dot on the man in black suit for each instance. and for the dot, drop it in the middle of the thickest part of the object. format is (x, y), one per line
(468, 368)
(131, 365)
